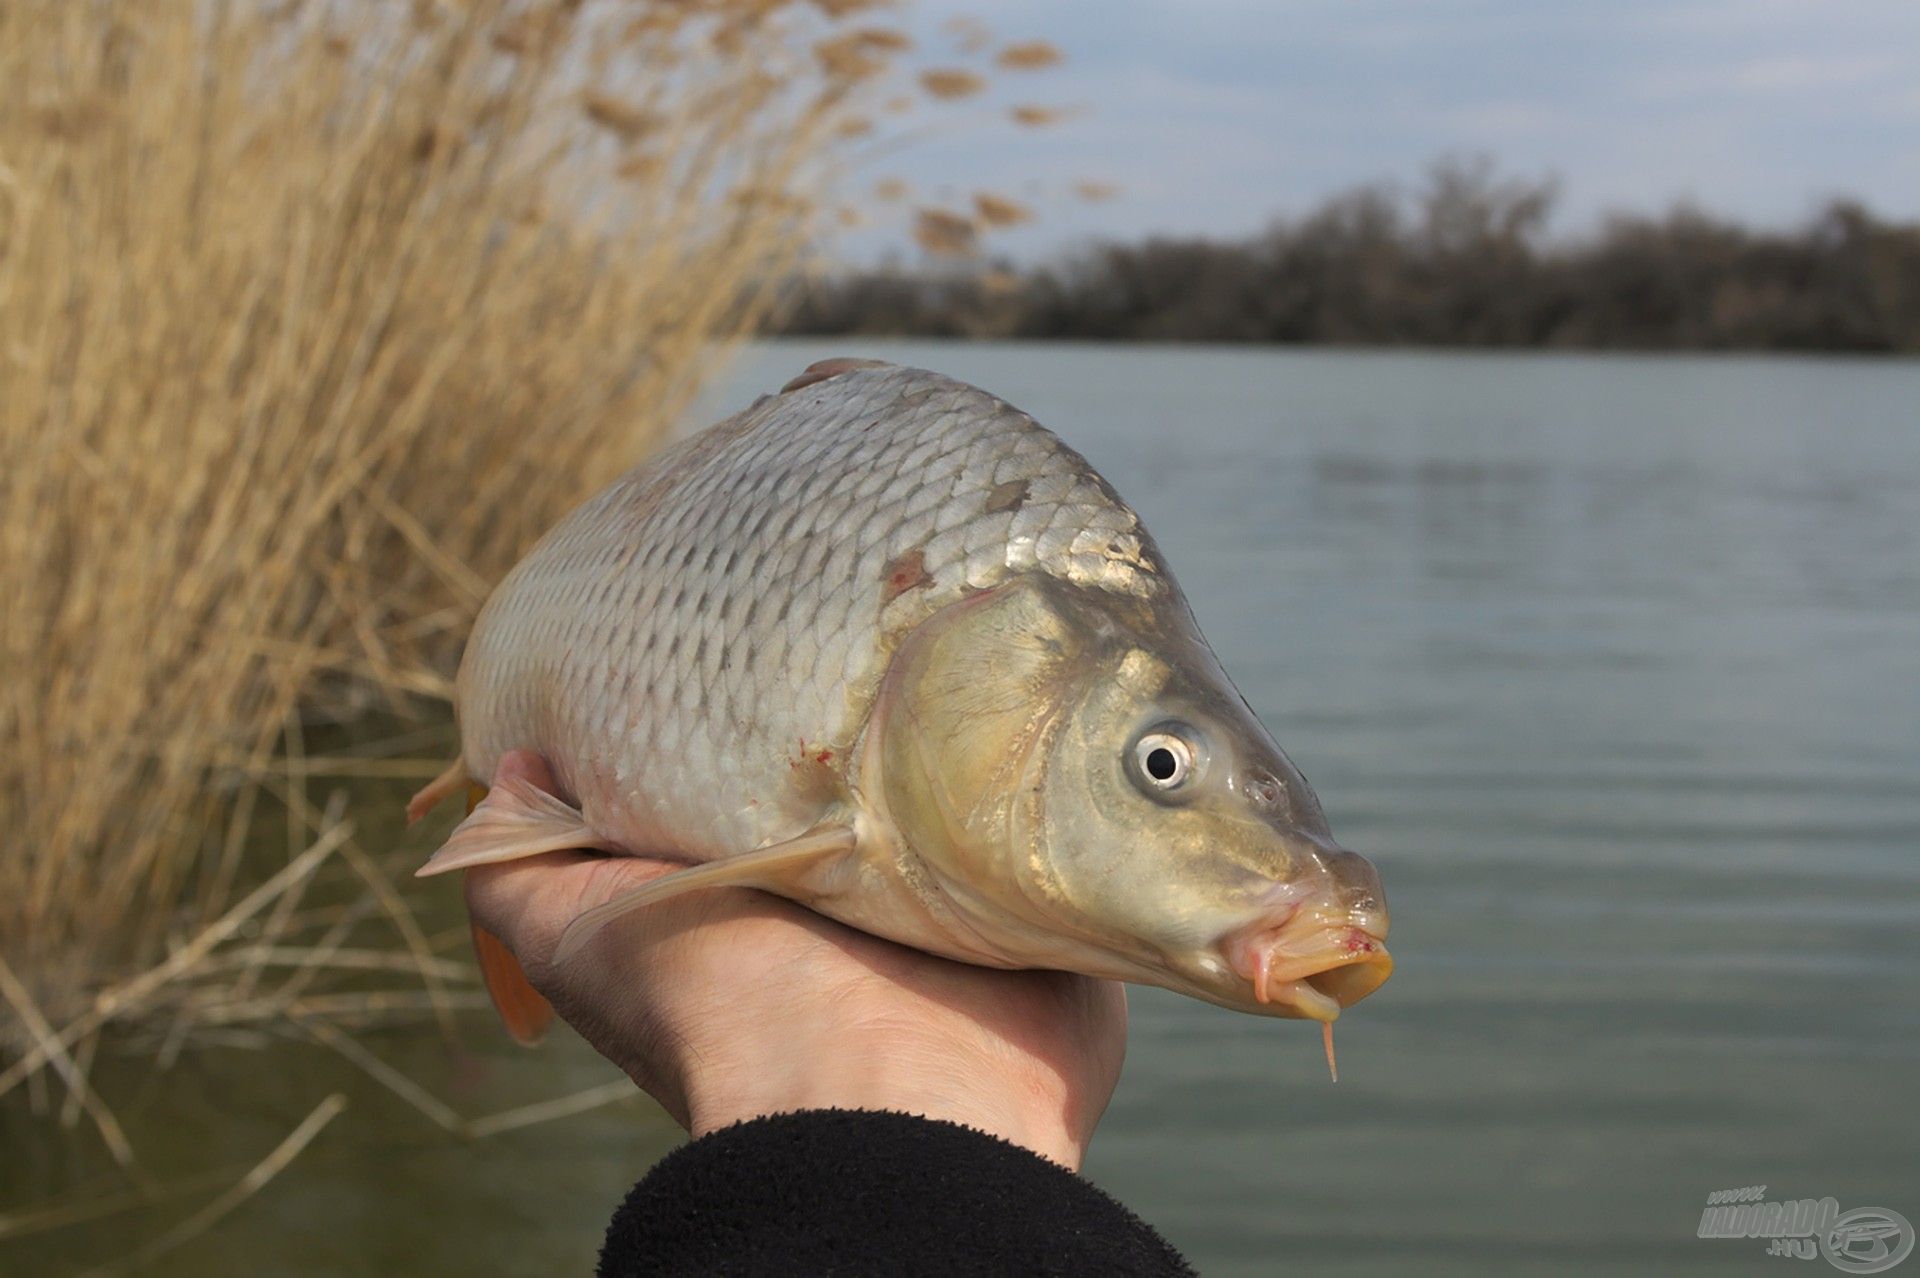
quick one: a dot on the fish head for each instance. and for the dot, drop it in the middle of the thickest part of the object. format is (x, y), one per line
(1088, 787)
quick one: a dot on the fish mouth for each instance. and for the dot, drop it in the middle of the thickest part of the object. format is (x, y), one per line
(1312, 967)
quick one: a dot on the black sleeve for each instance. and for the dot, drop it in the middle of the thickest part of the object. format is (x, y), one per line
(857, 1192)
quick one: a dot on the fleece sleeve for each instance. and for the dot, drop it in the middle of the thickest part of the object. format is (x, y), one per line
(856, 1192)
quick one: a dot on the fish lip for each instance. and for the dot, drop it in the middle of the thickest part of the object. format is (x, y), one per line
(1310, 964)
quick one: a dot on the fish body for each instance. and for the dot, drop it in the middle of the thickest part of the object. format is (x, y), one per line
(886, 646)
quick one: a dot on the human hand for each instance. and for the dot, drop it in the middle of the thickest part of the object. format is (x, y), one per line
(728, 1004)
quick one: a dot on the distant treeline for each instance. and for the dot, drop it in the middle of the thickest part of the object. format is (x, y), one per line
(1467, 261)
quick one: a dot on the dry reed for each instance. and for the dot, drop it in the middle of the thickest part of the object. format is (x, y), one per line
(312, 316)
(943, 233)
(951, 82)
(997, 210)
(1039, 117)
(1030, 55)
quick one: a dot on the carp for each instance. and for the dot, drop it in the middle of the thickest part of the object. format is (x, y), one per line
(884, 646)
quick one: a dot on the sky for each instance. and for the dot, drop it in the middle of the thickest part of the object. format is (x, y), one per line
(1213, 116)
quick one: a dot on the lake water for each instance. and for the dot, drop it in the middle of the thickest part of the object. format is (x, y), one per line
(1610, 664)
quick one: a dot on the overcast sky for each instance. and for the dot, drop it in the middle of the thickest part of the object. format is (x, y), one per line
(1212, 115)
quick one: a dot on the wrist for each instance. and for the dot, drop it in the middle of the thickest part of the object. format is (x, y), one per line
(1018, 1100)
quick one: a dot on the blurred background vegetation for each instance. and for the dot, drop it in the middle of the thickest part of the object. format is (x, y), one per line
(1463, 258)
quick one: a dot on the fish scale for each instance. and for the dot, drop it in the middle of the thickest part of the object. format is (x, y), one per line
(690, 647)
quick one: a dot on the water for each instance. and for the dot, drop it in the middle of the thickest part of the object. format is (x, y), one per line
(1611, 664)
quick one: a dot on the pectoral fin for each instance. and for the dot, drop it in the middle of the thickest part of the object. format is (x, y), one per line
(518, 819)
(776, 868)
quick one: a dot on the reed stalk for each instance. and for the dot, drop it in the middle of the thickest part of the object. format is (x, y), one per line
(312, 317)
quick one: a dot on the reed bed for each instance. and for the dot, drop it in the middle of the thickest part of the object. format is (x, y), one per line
(312, 317)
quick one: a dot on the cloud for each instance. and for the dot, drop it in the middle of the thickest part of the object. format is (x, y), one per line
(1214, 115)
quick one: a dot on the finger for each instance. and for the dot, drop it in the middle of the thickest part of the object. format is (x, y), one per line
(506, 898)
(529, 766)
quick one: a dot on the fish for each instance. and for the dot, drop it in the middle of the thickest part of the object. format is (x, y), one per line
(885, 646)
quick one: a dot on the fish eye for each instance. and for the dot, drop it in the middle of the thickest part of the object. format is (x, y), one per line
(1163, 759)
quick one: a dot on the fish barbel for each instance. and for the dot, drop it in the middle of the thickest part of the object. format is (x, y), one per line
(883, 645)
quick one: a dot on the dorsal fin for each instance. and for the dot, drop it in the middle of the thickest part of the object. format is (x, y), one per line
(821, 370)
